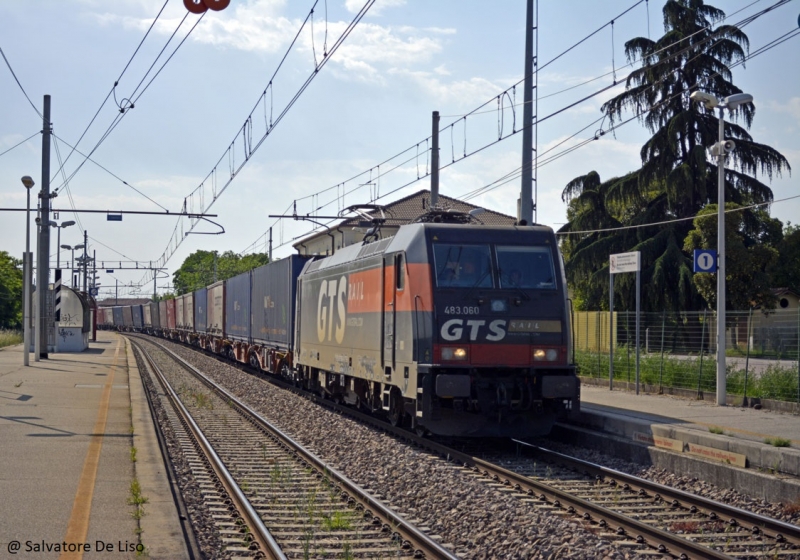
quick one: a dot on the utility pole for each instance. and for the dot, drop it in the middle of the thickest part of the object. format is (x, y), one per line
(85, 242)
(43, 265)
(435, 160)
(525, 214)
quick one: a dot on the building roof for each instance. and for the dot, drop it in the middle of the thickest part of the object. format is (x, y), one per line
(407, 209)
(784, 291)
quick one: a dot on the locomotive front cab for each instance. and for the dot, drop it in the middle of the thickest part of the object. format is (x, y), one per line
(500, 356)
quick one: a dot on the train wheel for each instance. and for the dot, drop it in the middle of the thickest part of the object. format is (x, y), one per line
(395, 413)
(254, 361)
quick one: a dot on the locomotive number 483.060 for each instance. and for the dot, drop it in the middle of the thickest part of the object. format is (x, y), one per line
(461, 310)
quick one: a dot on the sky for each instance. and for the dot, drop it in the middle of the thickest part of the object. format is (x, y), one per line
(326, 115)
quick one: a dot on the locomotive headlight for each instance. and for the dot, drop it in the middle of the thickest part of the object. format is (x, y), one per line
(453, 354)
(499, 305)
(545, 354)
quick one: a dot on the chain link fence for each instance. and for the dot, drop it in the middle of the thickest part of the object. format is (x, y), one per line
(679, 350)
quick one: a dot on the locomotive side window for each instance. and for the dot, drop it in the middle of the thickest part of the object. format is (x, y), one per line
(462, 266)
(400, 272)
(526, 267)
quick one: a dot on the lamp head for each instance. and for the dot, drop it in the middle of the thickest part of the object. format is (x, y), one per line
(733, 101)
(67, 247)
(68, 223)
(708, 100)
(81, 246)
(28, 182)
(53, 224)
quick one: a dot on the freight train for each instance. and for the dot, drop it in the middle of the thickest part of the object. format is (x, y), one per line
(448, 328)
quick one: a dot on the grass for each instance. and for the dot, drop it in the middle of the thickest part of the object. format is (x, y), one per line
(10, 337)
(137, 499)
(778, 442)
(337, 521)
(691, 372)
(716, 430)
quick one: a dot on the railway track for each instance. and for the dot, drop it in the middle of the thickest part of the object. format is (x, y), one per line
(255, 477)
(637, 514)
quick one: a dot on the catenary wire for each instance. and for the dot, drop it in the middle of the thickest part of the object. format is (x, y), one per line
(20, 143)
(25, 93)
(772, 44)
(117, 177)
(113, 88)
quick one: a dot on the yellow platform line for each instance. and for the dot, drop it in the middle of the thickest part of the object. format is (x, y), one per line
(78, 526)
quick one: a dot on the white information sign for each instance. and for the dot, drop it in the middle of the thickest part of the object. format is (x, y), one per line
(624, 262)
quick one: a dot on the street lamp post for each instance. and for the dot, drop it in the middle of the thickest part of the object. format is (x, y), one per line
(721, 149)
(60, 227)
(68, 248)
(26, 303)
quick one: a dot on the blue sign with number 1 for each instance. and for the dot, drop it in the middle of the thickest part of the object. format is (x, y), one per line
(705, 260)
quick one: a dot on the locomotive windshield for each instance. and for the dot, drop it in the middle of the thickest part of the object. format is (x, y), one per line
(463, 266)
(525, 267)
(514, 266)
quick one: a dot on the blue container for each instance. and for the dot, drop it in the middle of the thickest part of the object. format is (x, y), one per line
(200, 310)
(273, 301)
(138, 316)
(237, 307)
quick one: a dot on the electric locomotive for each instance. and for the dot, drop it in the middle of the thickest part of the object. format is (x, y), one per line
(452, 328)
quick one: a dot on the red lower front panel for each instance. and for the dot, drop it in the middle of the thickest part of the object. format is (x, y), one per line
(510, 355)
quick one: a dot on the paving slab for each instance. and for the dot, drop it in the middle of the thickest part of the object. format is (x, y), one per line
(67, 426)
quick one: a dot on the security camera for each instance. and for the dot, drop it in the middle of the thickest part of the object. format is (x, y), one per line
(708, 100)
(38, 221)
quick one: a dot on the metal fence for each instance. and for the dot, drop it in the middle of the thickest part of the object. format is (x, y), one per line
(679, 350)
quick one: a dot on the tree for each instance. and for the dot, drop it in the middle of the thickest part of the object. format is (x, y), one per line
(785, 270)
(749, 281)
(203, 268)
(11, 284)
(677, 179)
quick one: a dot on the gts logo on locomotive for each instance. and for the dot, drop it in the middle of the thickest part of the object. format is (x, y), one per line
(332, 294)
(454, 329)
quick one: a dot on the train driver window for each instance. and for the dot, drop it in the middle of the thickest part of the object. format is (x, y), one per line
(462, 266)
(526, 267)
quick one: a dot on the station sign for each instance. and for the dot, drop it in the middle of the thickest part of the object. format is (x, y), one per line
(705, 260)
(625, 262)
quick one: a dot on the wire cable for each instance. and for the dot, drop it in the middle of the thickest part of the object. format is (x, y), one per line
(25, 93)
(20, 143)
(113, 88)
(772, 44)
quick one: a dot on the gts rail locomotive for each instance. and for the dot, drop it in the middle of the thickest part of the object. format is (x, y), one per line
(449, 328)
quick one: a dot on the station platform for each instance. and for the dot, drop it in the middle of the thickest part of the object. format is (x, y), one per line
(71, 426)
(756, 451)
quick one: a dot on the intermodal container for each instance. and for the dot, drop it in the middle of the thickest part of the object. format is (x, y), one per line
(147, 317)
(137, 315)
(215, 305)
(179, 312)
(237, 307)
(200, 314)
(117, 316)
(155, 316)
(186, 321)
(127, 316)
(162, 313)
(273, 291)
(171, 314)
